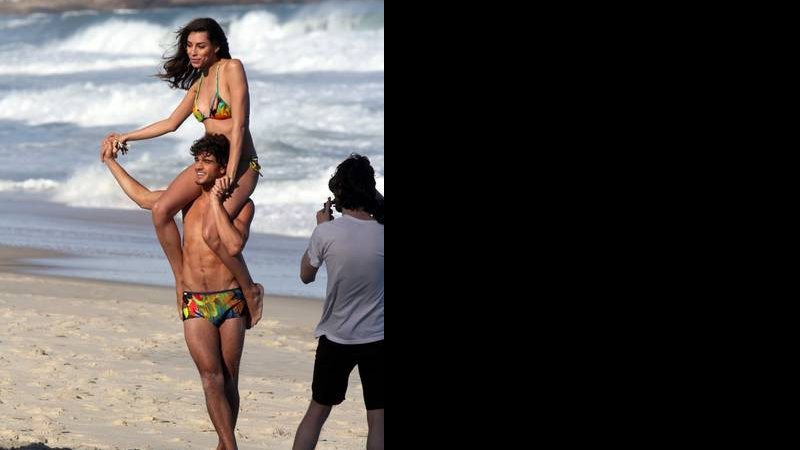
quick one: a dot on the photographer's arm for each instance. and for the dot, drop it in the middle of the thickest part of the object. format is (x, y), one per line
(308, 273)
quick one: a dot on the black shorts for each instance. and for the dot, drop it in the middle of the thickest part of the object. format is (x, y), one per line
(334, 364)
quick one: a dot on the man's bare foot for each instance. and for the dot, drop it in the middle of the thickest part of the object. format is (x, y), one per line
(255, 304)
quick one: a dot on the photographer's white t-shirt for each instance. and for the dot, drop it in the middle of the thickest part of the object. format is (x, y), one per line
(353, 252)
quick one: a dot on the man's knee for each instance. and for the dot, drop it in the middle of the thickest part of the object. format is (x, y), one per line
(319, 412)
(231, 375)
(212, 379)
(162, 213)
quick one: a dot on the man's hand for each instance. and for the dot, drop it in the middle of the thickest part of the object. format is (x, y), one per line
(111, 137)
(107, 151)
(220, 189)
(326, 213)
(118, 143)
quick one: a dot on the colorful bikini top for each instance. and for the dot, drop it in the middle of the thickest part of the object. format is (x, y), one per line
(220, 109)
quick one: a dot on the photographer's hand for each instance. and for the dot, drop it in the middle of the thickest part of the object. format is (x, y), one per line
(326, 213)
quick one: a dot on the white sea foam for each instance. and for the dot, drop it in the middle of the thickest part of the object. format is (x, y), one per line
(118, 37)
(307, 44)
(91, 104)
(31, 185)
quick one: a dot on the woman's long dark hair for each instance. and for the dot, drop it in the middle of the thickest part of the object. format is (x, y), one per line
(353, 185)
(178, 71)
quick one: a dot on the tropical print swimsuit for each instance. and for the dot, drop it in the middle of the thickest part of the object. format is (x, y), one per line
(216, 307)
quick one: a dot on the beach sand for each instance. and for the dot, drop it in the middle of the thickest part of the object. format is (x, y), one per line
(94, 365)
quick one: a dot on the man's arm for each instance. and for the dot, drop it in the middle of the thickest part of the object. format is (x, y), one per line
(143, 197)
(232, 233)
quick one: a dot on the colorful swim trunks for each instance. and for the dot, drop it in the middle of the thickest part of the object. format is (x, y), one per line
(216, 307)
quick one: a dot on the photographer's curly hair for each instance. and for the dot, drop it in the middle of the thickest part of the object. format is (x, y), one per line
(178, 71)
(353, 185)
(216, 145)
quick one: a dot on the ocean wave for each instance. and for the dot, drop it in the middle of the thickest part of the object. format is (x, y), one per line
(31, 185)
(40, 67)
(310, 44)
(13, 22)
(91, 104)
(92, 187)
(119, 37)
(337, 37)
(285, 208)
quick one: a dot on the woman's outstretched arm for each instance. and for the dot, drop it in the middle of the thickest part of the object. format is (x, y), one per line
(162, 127)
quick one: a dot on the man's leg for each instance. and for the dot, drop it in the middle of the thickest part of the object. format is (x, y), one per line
(332, 369)
(371, 365)
(232, 342)
(203, 340)
(308, 432)
(375, 422)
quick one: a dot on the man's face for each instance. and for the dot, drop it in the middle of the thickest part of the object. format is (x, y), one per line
(207, 169)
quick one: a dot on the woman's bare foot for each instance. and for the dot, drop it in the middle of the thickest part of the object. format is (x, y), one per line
(179, 297)
(255, 303)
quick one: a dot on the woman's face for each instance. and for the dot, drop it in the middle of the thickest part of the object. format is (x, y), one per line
(201, 51)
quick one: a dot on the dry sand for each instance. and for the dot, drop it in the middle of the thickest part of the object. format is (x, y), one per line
(94, 365)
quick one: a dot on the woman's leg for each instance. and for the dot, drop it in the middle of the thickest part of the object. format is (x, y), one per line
(254, 293)
(180, 193)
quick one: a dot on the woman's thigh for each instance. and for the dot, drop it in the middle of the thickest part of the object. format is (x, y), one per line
(182, 191)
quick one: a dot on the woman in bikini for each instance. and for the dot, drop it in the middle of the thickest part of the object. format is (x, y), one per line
(218, 97)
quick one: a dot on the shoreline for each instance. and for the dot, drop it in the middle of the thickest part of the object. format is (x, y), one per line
(13, 257)
(17, 261)
(75, 243)
(16, 7)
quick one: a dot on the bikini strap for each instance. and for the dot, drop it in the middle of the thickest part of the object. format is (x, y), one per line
(219, 66)
(200, 86)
